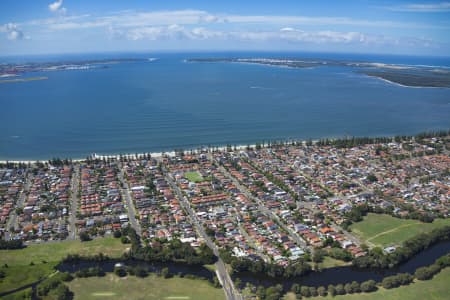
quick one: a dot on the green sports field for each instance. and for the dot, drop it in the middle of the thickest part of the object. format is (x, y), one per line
(384, 230)
(152, 287)
(193, 176)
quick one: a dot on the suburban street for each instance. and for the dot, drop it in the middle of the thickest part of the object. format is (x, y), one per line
(253, 244)
(265, 210)
(74, 203)
(335, 227)
(130, 206)
(294, 235)
(13, 218)
(227, 284)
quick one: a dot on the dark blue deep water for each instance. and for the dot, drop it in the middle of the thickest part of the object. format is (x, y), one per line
(168, 103)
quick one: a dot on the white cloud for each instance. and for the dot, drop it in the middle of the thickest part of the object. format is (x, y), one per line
(57, 20)
(170, 32)
(12, 31)
(156, 33)
(299, 36)
(423, 7)
(198, 25)
(323, 36)
(285, 34)
(15, 35)
(319, 21)
(57, 7)
(70, 25)
(133, 19)
(156, 18)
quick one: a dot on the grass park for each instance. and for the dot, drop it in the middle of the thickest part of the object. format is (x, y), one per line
(27, 265)
(384, 230)
(24, 266)
(434, 289)
(151, 287)
(329, 262)
(193, 176)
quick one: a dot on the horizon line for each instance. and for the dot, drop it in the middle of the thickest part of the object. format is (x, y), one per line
(173, 51)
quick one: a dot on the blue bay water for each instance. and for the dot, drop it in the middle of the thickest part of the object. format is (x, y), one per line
(169, 103)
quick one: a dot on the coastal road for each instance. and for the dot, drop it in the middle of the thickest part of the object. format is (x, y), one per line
(12, 222)
(74, 202)
(230, 291)
(131, 209)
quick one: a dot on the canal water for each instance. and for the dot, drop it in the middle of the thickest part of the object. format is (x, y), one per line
(323, 278)
(348, 273)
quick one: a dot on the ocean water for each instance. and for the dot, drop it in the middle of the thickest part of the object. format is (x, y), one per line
(169, 103)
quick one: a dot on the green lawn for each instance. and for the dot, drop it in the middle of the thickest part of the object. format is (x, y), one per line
(193, 176)
(55, 251)
(17, 276)
(212, 268)
(436, 289)
(384, 230)
(152, 287)
(35, 261)
(329, 262)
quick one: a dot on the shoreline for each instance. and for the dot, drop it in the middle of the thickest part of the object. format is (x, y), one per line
(376, 65)
(198, 149)
(406, 86)
(170, 153)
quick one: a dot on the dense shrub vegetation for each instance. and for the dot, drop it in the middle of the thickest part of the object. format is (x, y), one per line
(299, 268)
(54, 288)
(10, 245)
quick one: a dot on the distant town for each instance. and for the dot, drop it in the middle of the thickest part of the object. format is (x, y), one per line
(13, 72)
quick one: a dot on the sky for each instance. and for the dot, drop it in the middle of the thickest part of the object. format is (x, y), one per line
(419, 27)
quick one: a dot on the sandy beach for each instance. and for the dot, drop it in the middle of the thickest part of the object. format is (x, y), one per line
(134, 155)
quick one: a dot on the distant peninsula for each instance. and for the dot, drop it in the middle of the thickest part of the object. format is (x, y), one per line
(10, 70)
(23, 79)
(405, 75)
